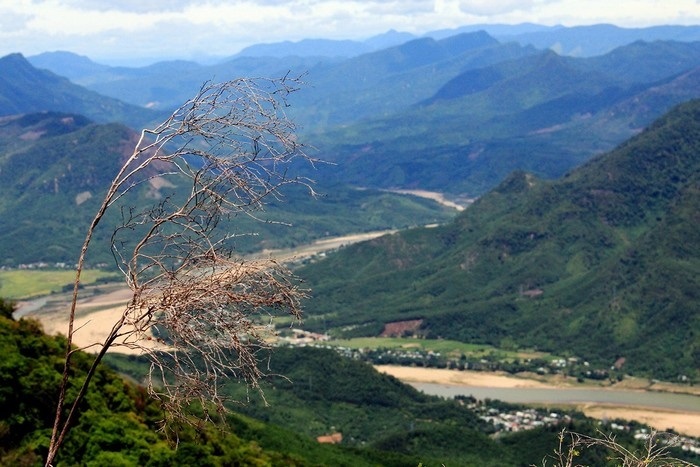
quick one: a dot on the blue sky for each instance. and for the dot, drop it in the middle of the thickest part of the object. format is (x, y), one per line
(121, 31)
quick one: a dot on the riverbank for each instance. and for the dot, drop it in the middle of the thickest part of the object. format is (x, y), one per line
(450, 382)
(462, 378)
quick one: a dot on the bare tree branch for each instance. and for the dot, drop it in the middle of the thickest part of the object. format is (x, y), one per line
(195, 309)
(653, 454)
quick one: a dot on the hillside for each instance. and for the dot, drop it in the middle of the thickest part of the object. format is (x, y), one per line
(25, 89)
(119, 424)
(317, 392)
(382, 421)
(600, 264)
(54, 168)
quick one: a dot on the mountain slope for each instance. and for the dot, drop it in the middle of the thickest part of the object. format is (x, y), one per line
(120, 425)
(601, 264)
(316, 391)
(381, 83)
(339, 90)
(25, 89)
(55, 168)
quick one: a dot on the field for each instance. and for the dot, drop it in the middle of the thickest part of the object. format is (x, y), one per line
(23, 284)
(442, 346)
(30, 283)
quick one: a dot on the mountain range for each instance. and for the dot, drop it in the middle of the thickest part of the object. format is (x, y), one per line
(55, 168)
(593, 264)
(601, 264)
(25, 89)
(481, 106)
(540, 112)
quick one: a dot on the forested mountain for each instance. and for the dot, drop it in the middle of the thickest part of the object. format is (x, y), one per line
(25, 89)
(541, 112)
(56, 167)
(601, 264)
(454, 114)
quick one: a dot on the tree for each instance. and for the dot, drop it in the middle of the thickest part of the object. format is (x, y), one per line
(194, 309)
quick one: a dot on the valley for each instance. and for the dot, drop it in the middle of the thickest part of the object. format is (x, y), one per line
(630, 399)
(490, 238)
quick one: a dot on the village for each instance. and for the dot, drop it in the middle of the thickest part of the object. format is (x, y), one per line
(504, 417)
(573, 366)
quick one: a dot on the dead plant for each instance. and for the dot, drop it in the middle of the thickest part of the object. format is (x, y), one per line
(195, 308)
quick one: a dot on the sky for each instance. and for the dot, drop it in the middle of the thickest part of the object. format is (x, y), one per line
(145, 31)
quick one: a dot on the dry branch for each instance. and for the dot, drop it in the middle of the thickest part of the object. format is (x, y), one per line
(231, 145)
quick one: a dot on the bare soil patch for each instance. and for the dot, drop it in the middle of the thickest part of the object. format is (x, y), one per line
(683, 422)
(399, 328)
(462, 378)
(435, 196)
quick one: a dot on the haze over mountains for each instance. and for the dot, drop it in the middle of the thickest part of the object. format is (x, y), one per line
(25, 89)
(480, 106)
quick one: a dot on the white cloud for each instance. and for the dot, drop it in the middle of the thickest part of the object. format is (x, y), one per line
(494, 7)
(108, 29)
(129, 6)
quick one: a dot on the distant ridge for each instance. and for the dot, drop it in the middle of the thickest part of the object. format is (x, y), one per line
(26, 89)
(533, 110)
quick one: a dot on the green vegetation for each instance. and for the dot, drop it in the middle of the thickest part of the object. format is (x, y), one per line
(383, 422)
(53, 183)
(119, 423)
(442, 345)
(601, 264)
(21, 284)
(532, 110)
(317, 392)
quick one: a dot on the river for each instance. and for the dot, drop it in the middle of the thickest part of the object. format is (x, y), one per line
(568, 396)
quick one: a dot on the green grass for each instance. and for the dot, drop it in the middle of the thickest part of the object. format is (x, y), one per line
(22, 284)
(443, 346)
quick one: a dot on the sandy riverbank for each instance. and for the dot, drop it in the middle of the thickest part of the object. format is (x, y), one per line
(95, 317)
(462, 378)
(91, 328)
(661, 419)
